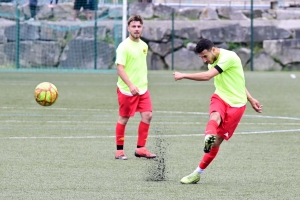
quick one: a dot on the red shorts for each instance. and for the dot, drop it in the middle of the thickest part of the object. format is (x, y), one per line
(231, 116)
(128, 105)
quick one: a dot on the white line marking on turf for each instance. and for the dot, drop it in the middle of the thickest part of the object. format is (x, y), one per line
(129, 136)
(158, 111)
(169, 112)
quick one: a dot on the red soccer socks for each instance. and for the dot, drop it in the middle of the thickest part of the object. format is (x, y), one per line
(120, 133)
(211, 127)
(142, 134)
(208, 157)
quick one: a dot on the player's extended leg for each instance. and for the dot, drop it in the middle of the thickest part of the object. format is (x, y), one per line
(209, 157)
(120, 136)
(212, 143)
(206, 160)
(211, 131)
(143, 130)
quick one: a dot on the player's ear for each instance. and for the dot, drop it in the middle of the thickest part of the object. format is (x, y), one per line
(213, 49)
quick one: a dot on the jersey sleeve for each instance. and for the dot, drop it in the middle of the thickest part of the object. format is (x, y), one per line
(121, 55)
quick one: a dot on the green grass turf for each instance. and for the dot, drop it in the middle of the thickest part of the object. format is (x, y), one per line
(66, 151)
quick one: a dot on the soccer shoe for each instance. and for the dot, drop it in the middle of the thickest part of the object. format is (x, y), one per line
(143, 152)
(190, 179)
(120, 155)
(209, 140)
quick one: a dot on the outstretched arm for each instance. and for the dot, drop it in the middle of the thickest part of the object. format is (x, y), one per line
(254, 103)
(201, 76)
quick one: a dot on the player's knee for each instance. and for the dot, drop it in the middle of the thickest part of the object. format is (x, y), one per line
(123, 120)
(147, 117)
(216, 117)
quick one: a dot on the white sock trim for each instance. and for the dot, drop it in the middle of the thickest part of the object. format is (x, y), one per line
(199, 170)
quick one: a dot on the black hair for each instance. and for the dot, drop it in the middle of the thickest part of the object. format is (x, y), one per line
(204, 44)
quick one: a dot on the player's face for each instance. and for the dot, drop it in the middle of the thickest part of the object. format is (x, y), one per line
(208, 57)
(135, 29)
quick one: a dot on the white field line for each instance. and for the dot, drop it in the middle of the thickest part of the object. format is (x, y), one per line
(158, 111)
(154, 136)
(169, 112)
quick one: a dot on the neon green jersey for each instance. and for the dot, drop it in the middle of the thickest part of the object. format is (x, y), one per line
(230, 83)
(133, 56)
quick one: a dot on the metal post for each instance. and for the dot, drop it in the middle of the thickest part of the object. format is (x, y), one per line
(252, 37)
(124, 20)
(17, 35)
(95, 34)
(173, 38)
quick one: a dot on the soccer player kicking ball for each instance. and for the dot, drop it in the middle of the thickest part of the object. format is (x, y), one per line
(227, 104)
(133, 95)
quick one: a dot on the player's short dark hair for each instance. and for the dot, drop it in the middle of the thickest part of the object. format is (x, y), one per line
(135, 18)
(204, 44)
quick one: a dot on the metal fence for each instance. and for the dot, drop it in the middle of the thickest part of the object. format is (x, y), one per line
(46, 42)
(69, 44)
(263, 4)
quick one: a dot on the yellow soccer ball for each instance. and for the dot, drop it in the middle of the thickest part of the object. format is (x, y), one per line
(45, 94)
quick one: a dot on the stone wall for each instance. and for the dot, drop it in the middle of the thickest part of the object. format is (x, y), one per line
(55, 40)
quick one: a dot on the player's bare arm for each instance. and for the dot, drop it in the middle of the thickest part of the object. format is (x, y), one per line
(254, 103)
(121, 72)
(201, 76)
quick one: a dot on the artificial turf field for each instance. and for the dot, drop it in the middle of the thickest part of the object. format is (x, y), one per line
(66, 151)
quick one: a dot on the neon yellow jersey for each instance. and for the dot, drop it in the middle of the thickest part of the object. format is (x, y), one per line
(133, 56)
(230, 83)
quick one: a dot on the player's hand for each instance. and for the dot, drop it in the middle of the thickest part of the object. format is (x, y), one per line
(256, 105)
(178, 76)
(134, 90)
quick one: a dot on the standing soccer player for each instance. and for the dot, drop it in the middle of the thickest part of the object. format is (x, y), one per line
(133, 94)
(227, 104)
